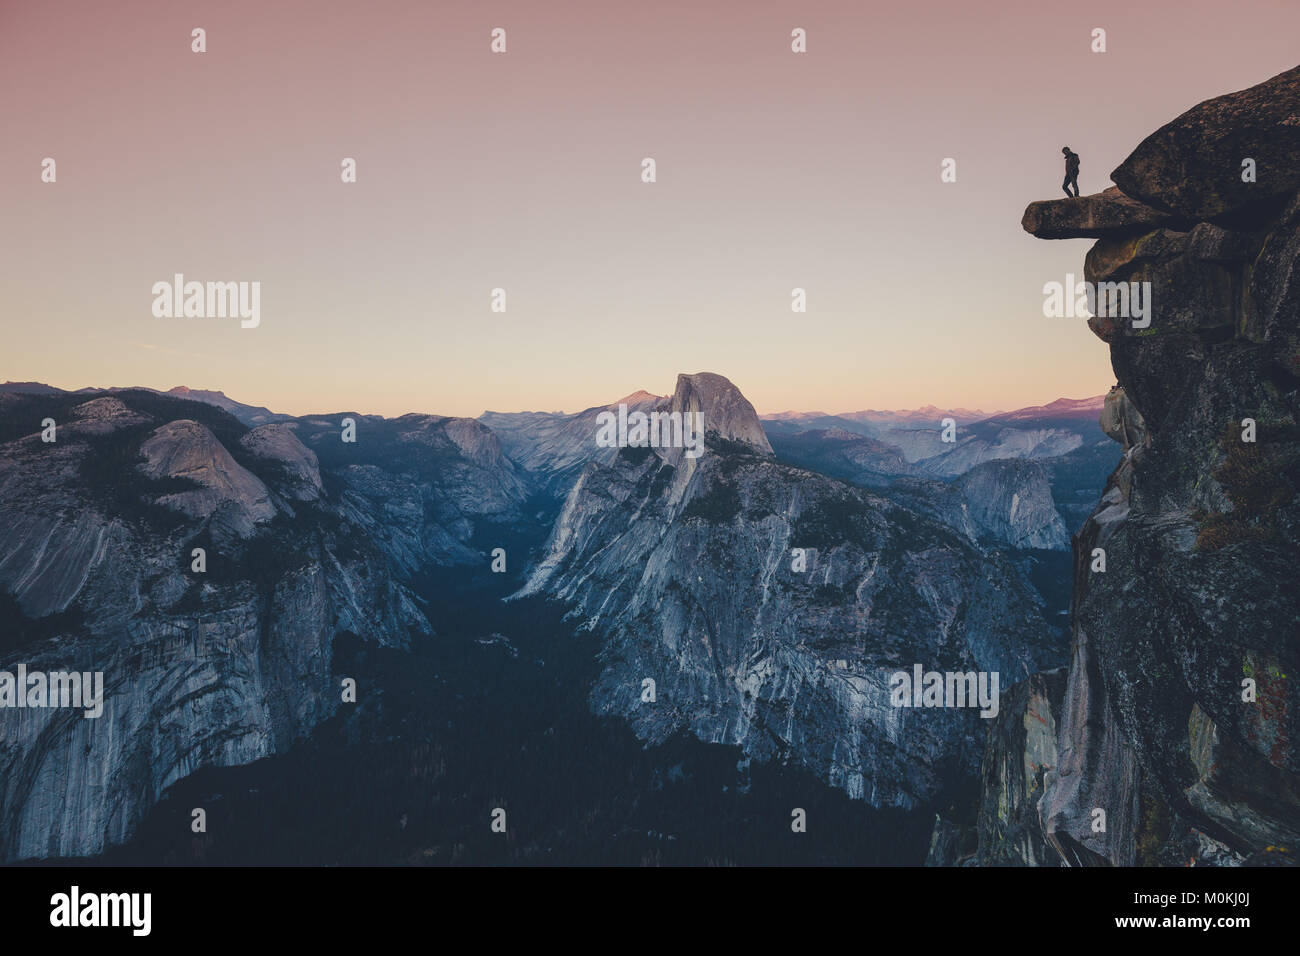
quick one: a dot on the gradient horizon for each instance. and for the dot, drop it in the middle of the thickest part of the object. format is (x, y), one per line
(522, 170)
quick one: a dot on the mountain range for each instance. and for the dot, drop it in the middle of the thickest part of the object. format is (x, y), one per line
(309, 538)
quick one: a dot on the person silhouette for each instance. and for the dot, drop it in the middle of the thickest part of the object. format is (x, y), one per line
(1071, 171)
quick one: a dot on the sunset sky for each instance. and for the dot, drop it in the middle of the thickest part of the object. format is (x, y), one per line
(522, 171)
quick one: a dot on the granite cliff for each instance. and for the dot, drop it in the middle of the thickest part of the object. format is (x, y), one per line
(216, 665)
(1180, 716)
(769, 605)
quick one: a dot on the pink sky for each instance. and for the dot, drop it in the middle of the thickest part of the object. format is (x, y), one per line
(522, 171)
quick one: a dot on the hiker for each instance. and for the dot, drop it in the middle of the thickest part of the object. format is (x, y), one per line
(1071, 171)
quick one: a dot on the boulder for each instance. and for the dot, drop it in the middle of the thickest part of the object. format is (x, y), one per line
(1192, 166)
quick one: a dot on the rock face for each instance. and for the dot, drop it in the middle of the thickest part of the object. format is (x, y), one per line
(1121, 421)
(1010, 501)
(188, 451)
(1003, 503)
(727, 413)
(1096, 770)
(215, 667)
(1020, 755)
(423, 486)
(553, 447)
(278, 443)
(948, 844)
(1181, 717)
(689, 573)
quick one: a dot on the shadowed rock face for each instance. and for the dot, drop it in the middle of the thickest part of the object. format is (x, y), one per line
(1200, 529)
(687, 571)
(419, 485)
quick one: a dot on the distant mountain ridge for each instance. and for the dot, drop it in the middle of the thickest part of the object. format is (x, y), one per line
(879, 449)
(248, 414)
(1086, 408)
(871, 448)
(1060, 408)
(883, 415)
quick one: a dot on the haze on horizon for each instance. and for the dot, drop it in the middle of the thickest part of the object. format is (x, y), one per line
(630, 398)
(522, 171)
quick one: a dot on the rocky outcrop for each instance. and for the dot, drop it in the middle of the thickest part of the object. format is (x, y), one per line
(187, 450)
(1121, 421)
(1182, 703)
(727, 413)
(1193, 165)
(476, 442)
(278, 443)
(100, 416)
(1107, 213)
(690, 573)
